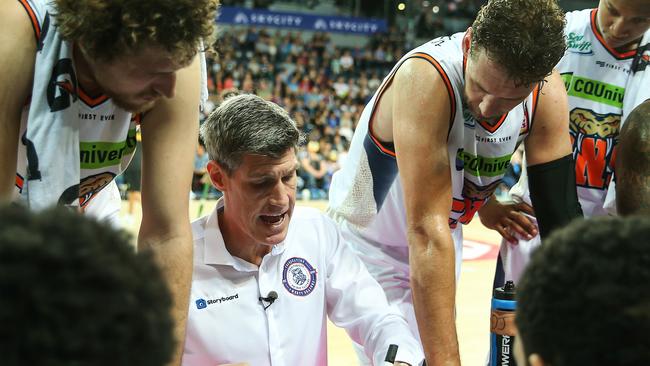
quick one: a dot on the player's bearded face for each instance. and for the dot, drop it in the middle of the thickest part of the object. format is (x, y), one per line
(260, 196)
(489, 93)
(136, 81)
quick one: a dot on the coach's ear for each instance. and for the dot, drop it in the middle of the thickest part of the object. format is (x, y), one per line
(218, 175)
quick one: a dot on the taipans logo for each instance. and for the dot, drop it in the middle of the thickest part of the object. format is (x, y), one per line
(91, 185)
(594, 137)
(298, 276)
(474, 196)
(576, 43)
(480, 166)
(203, 303)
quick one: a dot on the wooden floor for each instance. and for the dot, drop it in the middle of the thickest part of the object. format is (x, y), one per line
(473, 295)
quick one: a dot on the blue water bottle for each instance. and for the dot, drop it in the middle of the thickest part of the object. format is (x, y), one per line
(502, 326)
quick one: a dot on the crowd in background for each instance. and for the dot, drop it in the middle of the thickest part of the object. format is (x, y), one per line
(323, 87)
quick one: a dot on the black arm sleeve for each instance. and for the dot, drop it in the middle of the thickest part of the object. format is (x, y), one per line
(553, 194)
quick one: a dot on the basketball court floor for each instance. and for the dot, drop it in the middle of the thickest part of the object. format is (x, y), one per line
(472, 297)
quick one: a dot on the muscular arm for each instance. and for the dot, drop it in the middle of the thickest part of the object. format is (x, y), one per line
(551, 171)
(169, 135)
(421, 112)
(17, 54)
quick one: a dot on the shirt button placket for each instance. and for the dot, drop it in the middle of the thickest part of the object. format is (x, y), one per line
(267, 283)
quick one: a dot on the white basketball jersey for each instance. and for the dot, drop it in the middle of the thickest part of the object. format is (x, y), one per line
(595, 76)
(366, 194)
(106, 132)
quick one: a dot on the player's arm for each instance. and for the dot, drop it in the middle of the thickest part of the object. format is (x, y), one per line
(421, 113)
(551, 169)
(17, 55)
(169, 137)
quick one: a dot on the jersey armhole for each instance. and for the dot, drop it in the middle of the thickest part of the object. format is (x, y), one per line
(32, 16)
(389, 147)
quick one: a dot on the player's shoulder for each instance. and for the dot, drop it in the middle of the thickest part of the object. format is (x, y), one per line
(578, 18)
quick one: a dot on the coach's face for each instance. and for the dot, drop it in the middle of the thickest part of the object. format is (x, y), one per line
(136, 81)
(259, 197)
(489, 92)
(623, 22)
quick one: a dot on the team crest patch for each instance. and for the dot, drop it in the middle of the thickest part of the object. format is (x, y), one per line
(298, 276)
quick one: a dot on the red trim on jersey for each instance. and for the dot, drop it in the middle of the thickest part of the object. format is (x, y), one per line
(490, 128)
(32, 17)
(20, 182)
(90, 101)
(137, 118)
(601, 39)
(389, 80)
(533, 109)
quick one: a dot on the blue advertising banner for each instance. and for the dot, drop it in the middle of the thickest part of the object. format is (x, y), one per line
(319, 23)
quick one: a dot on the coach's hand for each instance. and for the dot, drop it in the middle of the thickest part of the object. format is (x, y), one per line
(508, 218)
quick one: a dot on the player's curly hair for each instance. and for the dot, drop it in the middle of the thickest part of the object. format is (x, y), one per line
(73, 292)
(584, 298)
(110, 28)
(526, 37)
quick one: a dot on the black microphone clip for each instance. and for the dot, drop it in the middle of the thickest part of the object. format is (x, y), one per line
(270, 298)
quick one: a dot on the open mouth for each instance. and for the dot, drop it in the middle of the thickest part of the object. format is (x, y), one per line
(273, 219)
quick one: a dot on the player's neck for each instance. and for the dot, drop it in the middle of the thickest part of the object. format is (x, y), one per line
(85, 76)
(628, 47)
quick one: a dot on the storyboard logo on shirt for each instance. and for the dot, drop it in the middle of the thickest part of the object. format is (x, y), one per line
(203, 303)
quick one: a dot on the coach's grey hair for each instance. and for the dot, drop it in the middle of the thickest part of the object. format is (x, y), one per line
(247, 124)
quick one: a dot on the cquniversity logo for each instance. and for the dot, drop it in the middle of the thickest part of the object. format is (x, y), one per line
(201, 304)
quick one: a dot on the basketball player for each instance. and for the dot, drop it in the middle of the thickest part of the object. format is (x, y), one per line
(432, 145)
(75, 293)
(597, 312)
(601, 68)
(76, 78)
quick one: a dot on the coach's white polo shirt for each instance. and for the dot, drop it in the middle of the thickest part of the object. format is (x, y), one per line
(314, 274)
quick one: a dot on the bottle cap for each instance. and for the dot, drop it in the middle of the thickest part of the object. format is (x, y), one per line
(506, 292)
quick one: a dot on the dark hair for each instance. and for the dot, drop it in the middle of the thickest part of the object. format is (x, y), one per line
(584, 298)
(74, 292)
(110, 28)
(526, 37)
(633, 163)
(247, 124)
